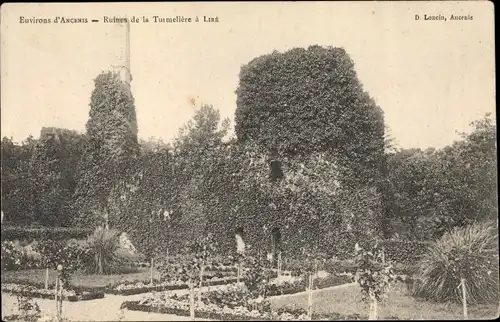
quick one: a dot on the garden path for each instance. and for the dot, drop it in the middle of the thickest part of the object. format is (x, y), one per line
(106, 309)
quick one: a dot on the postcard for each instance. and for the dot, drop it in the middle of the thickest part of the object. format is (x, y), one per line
(167, 161)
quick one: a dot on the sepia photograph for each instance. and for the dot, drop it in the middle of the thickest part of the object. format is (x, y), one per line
(250, 161)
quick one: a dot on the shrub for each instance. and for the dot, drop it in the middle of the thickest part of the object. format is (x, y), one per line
(104, 245)
(469, 253)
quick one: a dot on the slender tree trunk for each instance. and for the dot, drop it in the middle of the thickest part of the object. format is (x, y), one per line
(201, 283)
(60, 300)
(100, 269)
(47, 278)
(56, 292)
(106, 219)
(373, 308)
(238, 274)
(191, 300)
(279, 266)
(310, 298)
(464, 297)
(151, 269)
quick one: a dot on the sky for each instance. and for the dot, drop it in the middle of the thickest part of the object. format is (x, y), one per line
(431, 78)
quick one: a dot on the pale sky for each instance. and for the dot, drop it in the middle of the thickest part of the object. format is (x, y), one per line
(431, 78)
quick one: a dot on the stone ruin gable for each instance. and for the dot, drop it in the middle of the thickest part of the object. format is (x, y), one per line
(257, 223)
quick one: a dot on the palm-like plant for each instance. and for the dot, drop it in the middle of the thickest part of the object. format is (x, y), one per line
(463, 260)
(104, 245)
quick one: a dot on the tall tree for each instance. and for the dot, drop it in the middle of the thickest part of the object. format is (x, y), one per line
(436, 190)
(174, 188)
(197, 149)
(18, 186)
(111, 150)
(470, 166)
(53, 167)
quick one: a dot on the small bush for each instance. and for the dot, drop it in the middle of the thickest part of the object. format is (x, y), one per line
(65, 257)
(11, 256)
(17, 257)
(470, 253)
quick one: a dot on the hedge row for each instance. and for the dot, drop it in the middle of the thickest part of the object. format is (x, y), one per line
(404, 252)
(52, 233)
(396, 251)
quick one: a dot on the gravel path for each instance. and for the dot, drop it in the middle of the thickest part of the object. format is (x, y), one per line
(106, 309)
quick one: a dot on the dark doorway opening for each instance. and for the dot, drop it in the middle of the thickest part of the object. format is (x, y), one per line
(276, 171)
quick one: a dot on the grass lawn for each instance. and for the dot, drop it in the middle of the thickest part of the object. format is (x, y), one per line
(79, 279)
(347, 300)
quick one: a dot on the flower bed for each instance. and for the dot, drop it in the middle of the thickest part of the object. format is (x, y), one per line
(242, 301)
(139, 287)
(275, 288)
(215, 312)
(235, 299)
(68, 295)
